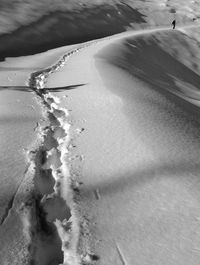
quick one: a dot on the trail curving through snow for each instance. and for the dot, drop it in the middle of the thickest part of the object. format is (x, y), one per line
(54, 221)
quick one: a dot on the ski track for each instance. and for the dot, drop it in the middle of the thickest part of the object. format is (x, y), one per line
(50, 220)
(12, 199)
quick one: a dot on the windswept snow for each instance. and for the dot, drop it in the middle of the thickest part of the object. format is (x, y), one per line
(138, 195)
(20, 122)
(113, 175)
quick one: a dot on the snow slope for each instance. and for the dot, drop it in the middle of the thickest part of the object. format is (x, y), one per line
(20, 121)
(136, 148)
(113, 177)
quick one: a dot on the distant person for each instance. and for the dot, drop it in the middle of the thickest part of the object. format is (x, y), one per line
(174, 24)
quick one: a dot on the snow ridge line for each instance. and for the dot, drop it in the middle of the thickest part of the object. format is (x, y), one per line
(54, 228)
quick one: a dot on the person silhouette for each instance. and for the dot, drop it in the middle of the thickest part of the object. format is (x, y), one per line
(174, 23)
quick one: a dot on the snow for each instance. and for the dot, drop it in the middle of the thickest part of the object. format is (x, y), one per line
(140, 147)
(20, 120)
(113, 174)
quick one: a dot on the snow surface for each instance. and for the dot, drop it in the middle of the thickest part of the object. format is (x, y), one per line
(20, 122)
(139, 173)
(113, 177)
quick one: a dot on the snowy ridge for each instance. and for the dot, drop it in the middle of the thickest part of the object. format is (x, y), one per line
(53, 224)
(54, 228)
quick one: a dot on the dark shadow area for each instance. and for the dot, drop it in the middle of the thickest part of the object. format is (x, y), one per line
(70, 27)
(60, 89)
(155, 69)
(29, 89)
(144, 57)
(17, 88)
(8, 69)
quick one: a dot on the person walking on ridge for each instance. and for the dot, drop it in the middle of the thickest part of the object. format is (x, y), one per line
(174, 23)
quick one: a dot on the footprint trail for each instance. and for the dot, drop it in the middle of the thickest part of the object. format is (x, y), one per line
(54, 227)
